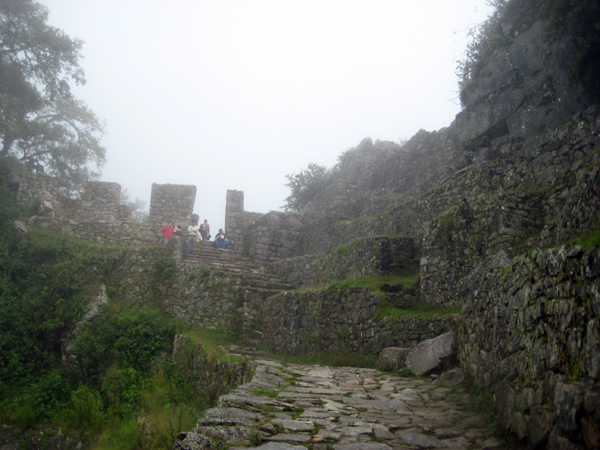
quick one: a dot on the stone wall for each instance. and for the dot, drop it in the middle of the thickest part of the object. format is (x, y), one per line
(205, 298)
(171, 203)
(98, 215)
(31, 184)
(234, 217)
(273, 236)
(208, 298)
(543, 191)
(530, 335)
(548, 193)
(210, 376)
(99, 203)
(381, 255)
(214, 298)
(122, 233)
(333, 320)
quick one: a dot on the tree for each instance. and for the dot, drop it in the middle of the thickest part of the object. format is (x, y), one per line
(137, 207)
(41, 123)
(306, 185)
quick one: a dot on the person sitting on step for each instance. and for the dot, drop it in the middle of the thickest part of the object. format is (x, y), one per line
(221, 240)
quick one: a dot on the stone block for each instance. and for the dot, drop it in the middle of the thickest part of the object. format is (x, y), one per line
(451, 378)
(392, 358)
(430, 354)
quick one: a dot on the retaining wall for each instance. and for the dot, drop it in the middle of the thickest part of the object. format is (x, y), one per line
(334, 320)
(530, 335)
(375, 256)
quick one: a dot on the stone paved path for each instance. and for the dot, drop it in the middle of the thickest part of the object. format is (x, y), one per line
(298, 407)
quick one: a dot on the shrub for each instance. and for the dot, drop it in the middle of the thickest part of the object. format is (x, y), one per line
(85, 411)
(132, 337)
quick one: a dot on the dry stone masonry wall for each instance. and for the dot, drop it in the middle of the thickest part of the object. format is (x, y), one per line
(171, 203)
(547, 194)
(98, 215)
(374, 256)
(342, 320)
(531, 335)
(210, 377)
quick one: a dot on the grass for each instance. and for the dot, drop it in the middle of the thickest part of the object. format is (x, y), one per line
(326, 359)
(212, 340)
(414, 309)
(589, 240)
(408, 278)
(260, 392)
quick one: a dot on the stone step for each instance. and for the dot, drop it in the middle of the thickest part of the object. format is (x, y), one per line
(230, 263)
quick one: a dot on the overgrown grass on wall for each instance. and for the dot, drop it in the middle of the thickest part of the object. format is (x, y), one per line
(591, 238)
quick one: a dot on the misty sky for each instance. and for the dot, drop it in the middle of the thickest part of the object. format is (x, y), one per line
(235, 94)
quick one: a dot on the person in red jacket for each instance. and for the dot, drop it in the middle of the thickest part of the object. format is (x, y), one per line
(168, 233)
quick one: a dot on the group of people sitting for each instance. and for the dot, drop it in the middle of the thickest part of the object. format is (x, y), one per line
(195, 233)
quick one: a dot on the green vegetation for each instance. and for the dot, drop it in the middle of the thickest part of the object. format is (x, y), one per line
(391, 309)
(212, 340)
(578, 18)
(574, 372)
(341, 249)
(408, 278)
(329, 359)
(112, 379)
(589, 240)
(306, 185)
(42, 123)
(260, 392)
(446, 224)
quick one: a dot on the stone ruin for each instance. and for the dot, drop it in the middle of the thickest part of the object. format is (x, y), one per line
(488, 207)
(98, 216)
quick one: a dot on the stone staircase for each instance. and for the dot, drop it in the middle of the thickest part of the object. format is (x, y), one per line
(230, 263)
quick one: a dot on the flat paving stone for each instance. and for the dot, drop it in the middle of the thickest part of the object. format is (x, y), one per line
(294, 425)
(345, 409)
(274, 446)
(289, 437)
(362, 446)
(420, 440)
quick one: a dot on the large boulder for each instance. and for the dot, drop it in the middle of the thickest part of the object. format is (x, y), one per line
(431, 354)
(392, 358)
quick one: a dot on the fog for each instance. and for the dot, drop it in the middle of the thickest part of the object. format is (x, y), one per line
(235, 94)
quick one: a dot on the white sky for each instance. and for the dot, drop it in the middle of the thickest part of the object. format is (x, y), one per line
(235, 94)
